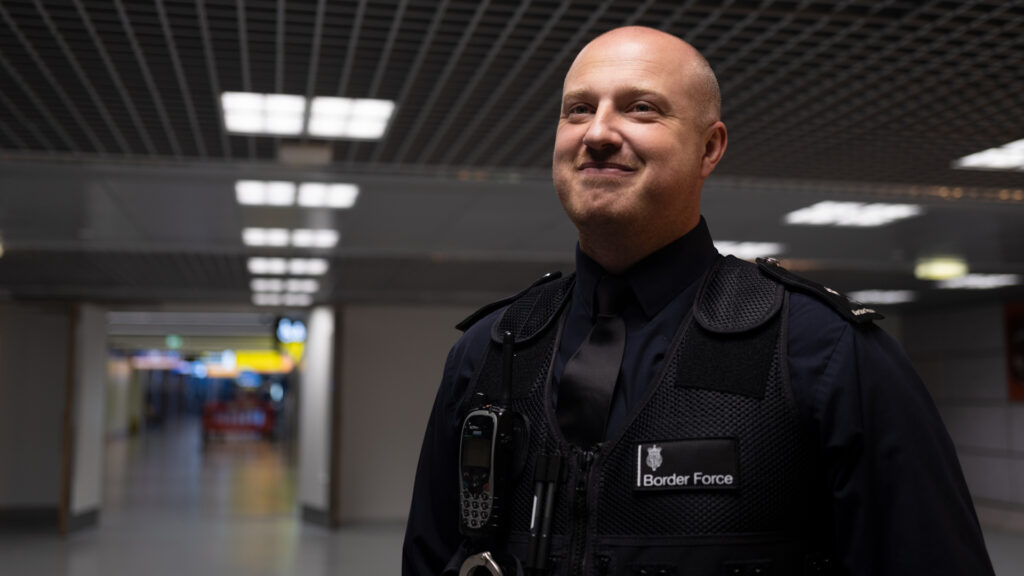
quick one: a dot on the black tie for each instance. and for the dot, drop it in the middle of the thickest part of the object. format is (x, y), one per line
(585, 389)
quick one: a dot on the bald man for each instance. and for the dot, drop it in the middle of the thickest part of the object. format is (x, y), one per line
(752, 422)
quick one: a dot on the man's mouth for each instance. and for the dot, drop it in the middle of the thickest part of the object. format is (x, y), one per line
(605, 168)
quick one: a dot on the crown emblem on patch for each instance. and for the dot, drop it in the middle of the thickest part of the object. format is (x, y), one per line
(654, 457)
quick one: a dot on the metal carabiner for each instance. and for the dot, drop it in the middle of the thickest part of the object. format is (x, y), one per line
(482, 560)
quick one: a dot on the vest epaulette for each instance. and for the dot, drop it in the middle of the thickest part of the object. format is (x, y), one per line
(846, 307)
(486, 309)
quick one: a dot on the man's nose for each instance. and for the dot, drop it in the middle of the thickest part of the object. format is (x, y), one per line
(603, 132)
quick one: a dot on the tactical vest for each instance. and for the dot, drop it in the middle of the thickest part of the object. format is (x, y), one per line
(738, 492)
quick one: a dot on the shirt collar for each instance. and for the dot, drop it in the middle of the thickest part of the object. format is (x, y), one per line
(658, 277)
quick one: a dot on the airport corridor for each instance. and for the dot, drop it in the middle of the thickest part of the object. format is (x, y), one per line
(172, 507)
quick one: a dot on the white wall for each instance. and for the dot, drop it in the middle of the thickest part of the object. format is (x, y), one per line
(390, 367)
(316, 383)
(961, 355)
(34, 346)
(90, 375)
(116, 414)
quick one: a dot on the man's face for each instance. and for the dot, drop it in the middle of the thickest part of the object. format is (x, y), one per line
(630, 141)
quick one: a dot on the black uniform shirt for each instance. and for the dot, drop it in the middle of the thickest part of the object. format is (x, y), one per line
(901, 505)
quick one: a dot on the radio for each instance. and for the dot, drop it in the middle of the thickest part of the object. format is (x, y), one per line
(491, 438)
(492, 453)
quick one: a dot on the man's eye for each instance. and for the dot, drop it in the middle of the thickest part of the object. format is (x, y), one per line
(643, 107)
(576, 109)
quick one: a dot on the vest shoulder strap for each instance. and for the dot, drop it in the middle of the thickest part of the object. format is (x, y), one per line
(736, 297)
(846, 307)
(486, 309)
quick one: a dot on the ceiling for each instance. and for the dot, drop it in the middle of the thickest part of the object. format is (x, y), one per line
(117, 174)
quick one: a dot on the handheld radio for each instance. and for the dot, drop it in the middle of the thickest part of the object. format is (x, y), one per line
(491, 455)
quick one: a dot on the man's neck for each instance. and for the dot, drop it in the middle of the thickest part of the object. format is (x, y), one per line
(617, 253)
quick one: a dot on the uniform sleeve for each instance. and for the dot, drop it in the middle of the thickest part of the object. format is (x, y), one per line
(901, 504)
(432, 533)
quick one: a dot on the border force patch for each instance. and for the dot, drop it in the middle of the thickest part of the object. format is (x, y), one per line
(698, 464)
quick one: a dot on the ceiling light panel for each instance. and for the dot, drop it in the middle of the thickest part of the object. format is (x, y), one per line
(942, 268)
(322, 195)
(267, 285)
(302, 285)
(882, 296)
(265, 193)
(348, 118)
(852, 214)
(305, 238)
(265, 236)
(1008, 157)
(270, 114)
(307, 266)
(259, 266)
(749, 250)
(981, 281)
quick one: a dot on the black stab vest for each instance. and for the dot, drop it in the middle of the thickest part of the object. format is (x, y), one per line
(725, 380)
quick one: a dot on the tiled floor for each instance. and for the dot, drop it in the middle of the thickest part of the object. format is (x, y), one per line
(173, 508)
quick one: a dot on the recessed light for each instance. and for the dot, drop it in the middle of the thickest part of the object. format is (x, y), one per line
(267, 299)
(347, 118)
(323, 195)
(298, 300)
(302, 285)
(1009, 157)
(255, 114)
(853, 214)
(267, 285)
(981, 281)
(749, 250)
(265, 236)
(942, 268)
(260, 266)
(305, 238)
(882, 296)
(307, 266)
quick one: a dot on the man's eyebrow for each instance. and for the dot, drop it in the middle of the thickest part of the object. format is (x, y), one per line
(629, 93)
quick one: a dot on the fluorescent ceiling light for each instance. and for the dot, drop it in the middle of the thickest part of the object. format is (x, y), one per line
(348, 118)
(260, 266)
(857, 214)
(1009, 157)
(265, 236)
(267, 299)
(322, 195)
(305, 238)
(254, 113)
(940, 268)
(261, 193)
(307, 266)
(267, 285)
(981, 281)
(302, 285)
(267, 266)
(298, 300)
(277, 299)
(749, 250)
(293, 285)
(882, 296)
(310, 194)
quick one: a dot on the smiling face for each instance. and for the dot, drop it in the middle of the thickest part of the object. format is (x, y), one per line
(637, 136)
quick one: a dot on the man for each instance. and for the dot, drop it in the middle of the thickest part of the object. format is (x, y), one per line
(758, 424)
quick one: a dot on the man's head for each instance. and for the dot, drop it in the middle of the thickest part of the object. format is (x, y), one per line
(639, 133)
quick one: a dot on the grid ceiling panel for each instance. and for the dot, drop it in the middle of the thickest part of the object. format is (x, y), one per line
(857, 89)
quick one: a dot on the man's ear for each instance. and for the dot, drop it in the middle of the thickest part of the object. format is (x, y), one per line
(716, 138)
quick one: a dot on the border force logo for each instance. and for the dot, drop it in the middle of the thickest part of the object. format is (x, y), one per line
(688, 464)
(654, 457)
